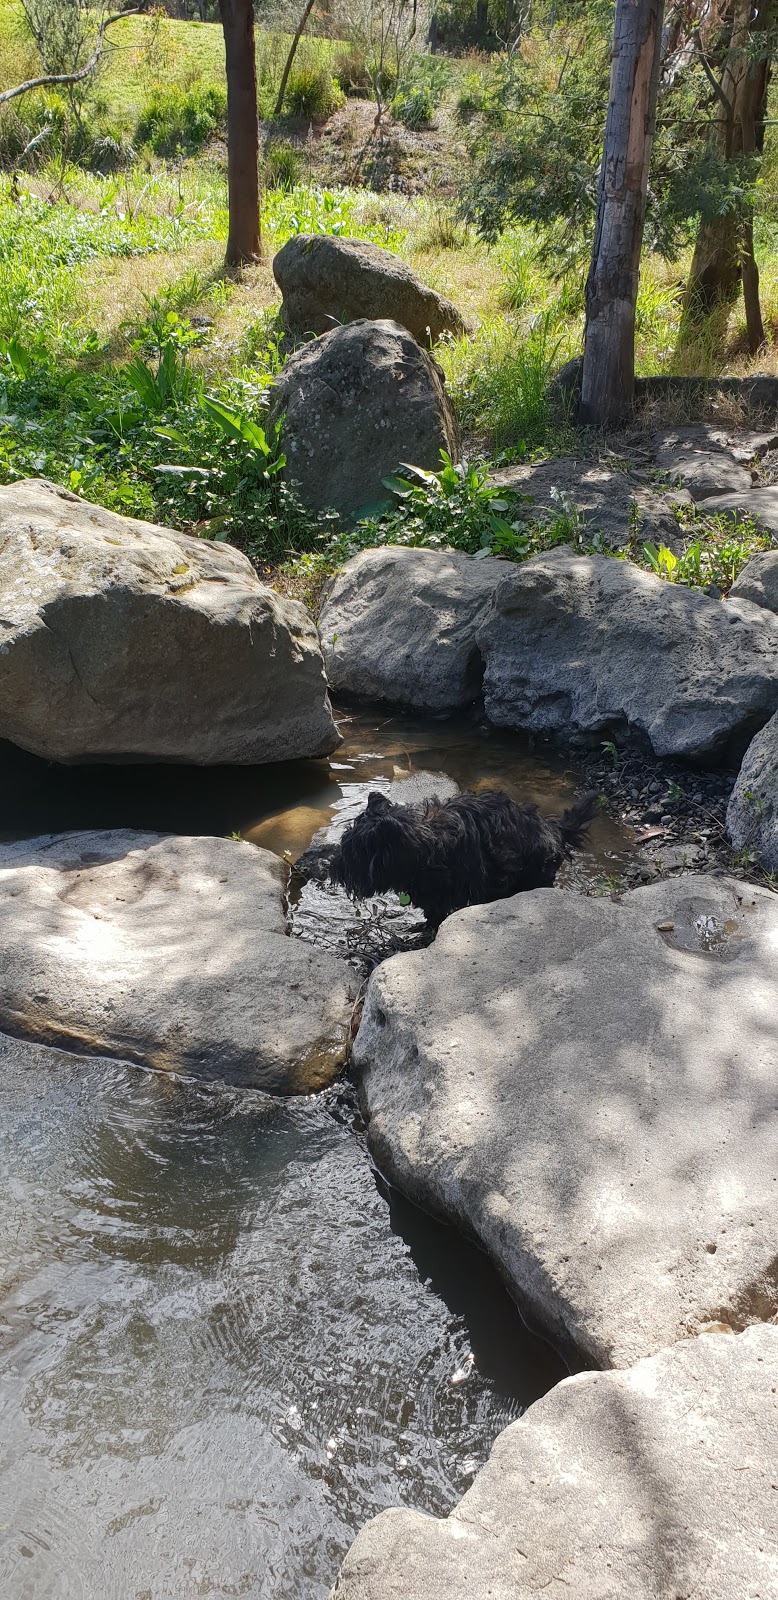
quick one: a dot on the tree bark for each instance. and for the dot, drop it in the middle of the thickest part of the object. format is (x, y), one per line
(608, 381)
(724, 249)
(279, 105)
(243, 242)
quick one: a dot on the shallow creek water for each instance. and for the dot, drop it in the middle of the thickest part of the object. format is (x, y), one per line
(223, 1346)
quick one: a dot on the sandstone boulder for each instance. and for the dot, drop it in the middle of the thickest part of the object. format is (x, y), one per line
(170, 952)
(655, 1483)
(325, 280)
(588, 1087)
(400, 625)
(758, 582)
(585, 644)
(121, 639)
(752, 813)
(355, 404)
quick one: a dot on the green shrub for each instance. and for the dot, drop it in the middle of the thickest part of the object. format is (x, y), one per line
(283, 166)
(471, 98)
(181, 119)
(350, 70)
(312, 92)
(421, 91)
(499, 380)
(414, 106)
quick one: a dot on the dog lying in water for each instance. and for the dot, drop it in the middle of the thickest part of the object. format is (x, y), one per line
(446, 854)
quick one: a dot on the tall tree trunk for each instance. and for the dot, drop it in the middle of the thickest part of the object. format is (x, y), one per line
(608, 382)
(279, 105)
(243, 243)
(724, 249)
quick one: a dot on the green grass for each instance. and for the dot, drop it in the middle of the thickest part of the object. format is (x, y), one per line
(144, 53)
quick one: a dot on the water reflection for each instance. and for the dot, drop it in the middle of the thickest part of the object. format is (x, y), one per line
(282, 806)
(217, 1357)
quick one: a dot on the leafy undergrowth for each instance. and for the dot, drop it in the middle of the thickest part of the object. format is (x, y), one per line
(155, 409)
(457, 508)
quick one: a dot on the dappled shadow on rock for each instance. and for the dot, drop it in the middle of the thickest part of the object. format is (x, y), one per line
(589, 1088)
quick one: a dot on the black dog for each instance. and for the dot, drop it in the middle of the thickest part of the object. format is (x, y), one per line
(453, 853)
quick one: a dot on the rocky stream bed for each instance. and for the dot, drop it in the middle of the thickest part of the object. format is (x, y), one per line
(219, 1361)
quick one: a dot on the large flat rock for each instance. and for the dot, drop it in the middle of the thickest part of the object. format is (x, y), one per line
(586, 644)
(562, 644)
(610, 499)
(589, 1088)
(400, 625)
(170, 952)
(760, 504)
(119, 638)
(653, 1484)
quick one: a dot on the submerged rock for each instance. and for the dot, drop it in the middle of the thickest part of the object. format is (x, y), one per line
(355, 404)
(651, 1483)
(170, 952)
(752, 813)
(325, 280)
(121, 639)
(400, 625)
(588, 1087)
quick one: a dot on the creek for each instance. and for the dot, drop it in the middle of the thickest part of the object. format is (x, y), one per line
(224, 1343)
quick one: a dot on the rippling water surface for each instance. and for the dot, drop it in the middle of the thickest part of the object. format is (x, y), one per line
(221, 1348)
(219, 1356)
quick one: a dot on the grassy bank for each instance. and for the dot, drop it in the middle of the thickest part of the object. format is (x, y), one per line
(134, 371)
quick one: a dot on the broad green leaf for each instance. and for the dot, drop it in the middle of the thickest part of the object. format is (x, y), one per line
(235, 425)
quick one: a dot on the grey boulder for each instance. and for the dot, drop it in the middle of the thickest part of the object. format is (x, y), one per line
(761, 504)
(119, 638)
(400, 625)
(170, 952)
(589, 1088)
(704, 468)
(610, 501)
(588, 644)
(325, 280)
(355, 404)
(561, 644)
(758, 581)
(650, 1484)
(752, 813)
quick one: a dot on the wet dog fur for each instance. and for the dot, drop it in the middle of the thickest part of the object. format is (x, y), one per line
(453, 853)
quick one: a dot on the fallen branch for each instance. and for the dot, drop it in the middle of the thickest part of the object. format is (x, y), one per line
(53, 78)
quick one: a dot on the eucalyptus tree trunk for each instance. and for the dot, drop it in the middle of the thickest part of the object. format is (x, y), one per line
(608, 381)
(243, 242)
(724, 250)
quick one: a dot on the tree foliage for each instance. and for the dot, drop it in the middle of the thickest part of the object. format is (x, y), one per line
(536, 142)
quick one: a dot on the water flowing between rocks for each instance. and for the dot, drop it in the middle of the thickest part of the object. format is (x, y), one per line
(223, 1345)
